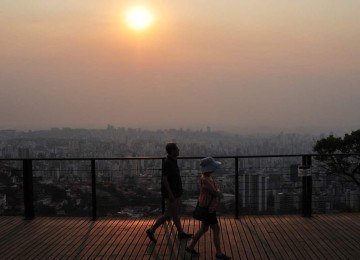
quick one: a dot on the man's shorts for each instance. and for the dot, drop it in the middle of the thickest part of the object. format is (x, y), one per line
(172, 207)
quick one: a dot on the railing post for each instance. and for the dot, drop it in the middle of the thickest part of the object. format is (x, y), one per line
(162, 195)
(236, 187)
(306, 188)
(93, 189)
(308, 195)
(28, 189)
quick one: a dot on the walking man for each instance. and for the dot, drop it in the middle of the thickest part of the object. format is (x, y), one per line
(171, 188)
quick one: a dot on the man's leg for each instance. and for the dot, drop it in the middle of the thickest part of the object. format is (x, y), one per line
(174, 207)
(159, 221)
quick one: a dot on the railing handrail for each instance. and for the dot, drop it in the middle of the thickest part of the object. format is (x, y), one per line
(180, 157)
(28, 174)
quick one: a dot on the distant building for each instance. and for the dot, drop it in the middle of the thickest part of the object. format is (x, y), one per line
(254, 188)
(294, 177)
(23, 152)
(353, 199)
(2, 202)
(286, 202)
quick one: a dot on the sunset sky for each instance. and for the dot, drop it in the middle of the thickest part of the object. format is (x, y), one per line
(250, 66)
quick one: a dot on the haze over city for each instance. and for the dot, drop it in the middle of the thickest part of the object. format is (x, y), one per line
(249, 66)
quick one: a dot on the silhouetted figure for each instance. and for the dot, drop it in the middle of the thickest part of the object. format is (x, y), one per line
(209, 197)
(171, 188)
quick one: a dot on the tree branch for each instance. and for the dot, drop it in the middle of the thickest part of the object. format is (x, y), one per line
(355, 180)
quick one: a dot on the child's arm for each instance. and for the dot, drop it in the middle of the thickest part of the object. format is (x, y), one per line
(210, 187)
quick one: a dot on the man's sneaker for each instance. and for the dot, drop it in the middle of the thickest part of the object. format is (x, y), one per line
(184, 235)
(150, 235)
(223, 257)
(192, 251)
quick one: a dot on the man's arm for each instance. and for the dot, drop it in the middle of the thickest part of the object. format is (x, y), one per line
(167, 187)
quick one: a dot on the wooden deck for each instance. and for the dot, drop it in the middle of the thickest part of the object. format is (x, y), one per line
(251, 237)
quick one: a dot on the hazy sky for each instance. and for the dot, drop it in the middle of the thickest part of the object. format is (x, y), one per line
(249, 65)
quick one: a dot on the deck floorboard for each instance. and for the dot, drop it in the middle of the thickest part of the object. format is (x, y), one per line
(328, 236)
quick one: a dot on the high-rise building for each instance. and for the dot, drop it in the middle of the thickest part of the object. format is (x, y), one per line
(254, 188)
(294, 177)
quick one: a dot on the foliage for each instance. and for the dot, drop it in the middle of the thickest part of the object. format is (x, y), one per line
(45, 210)
(345, 158)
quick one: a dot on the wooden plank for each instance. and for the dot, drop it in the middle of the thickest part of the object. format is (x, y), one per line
(114, 234)
(51, 239)
(347, 226)
(151, 247)
(9, 225)
(258, 244)
(202, 243)
(295, 237)
(340, 235)
(119, 238)
(115, 242)
(354, 219)
(90, 243)
(95, 247)
(308, 239)
(166, 235)
(34, 232)
(208, 243)
(178, 250)
(83, 239)
(139, 240)
(47, 238)
(69, 238)
(267, 240)
(245, 236)
(280, 244)
(146, 243)
(228, 242)
(130, 242)
(236, 243)
(240, 235)
(193, 227)
(225, 243)
(10, 229)
(196, 227)
(15, 239)
(329, 234)
(286, 250)
(283, 234)
(170, 232)
(306, 245)
(86, 245)
(15, 233)
(315, 237)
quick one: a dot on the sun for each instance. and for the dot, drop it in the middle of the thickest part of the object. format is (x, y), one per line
(139, 18)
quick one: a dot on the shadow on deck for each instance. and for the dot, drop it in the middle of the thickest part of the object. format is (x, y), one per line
(334, 236)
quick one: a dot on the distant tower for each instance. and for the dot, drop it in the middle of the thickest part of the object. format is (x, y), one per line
(294, 172)
(254, 195)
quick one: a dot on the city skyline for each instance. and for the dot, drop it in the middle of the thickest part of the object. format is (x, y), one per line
(245, 67)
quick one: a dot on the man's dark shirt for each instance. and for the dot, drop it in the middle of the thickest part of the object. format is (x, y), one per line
(172, 172)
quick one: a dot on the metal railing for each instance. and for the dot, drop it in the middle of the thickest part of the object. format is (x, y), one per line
(237, 165)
